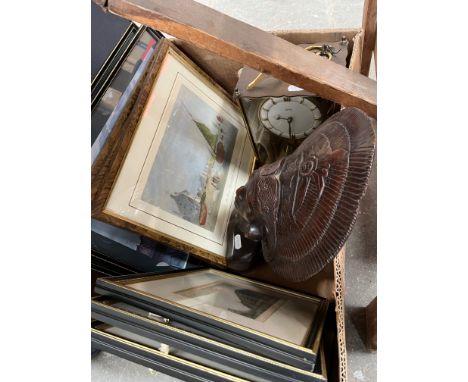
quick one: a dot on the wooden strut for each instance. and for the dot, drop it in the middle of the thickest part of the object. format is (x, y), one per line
(369, 26)
(245, 44)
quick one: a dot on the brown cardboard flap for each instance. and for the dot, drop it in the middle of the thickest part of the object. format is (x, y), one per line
(339, 276)
(245, 44)
(222, 70)
(309, 36)
(330, 282)
(322, 284)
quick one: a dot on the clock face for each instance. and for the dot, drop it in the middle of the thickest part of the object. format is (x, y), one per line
(289, 117)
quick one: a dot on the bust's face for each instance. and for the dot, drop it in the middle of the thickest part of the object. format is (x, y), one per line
(281, 179)
(256, 199)
(241, 203)
(260, 191)
(274, 198)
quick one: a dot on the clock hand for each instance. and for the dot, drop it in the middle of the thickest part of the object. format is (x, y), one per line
(287, 119)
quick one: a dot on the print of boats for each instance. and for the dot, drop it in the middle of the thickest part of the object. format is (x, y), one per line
(194, 208)
(188, 205)
(214, 141)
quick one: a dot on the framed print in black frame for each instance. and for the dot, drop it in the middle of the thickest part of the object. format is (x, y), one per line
(107, 31)
(274, 322)
(205, 351)
(154, 359)
(117, 80)
(136, 251)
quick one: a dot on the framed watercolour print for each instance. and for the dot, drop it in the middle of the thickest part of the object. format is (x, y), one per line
(144, 327)
(273, 322)
(183, 154)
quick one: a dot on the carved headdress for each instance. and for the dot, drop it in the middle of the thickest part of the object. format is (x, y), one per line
(303, 206)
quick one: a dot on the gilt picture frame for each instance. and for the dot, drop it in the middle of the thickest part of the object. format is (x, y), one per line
(244, 313)
(182, 153)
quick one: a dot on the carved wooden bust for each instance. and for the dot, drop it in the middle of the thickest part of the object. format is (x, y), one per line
(303, 207)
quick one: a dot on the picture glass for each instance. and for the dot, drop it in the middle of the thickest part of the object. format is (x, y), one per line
(237, 300)
(189, 182)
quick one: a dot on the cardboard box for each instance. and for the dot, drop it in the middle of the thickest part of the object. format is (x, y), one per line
(330, 282)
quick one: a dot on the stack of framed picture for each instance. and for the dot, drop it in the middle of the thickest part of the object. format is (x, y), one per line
(212, 325)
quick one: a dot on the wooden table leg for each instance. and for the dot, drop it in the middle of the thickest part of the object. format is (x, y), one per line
(371, 324)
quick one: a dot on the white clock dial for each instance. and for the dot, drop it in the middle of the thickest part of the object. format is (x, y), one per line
(289, 117)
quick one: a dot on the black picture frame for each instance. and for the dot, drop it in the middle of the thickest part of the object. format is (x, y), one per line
(136, 252)
(156, 360)
(109, 69)
(107, 30)
(108, 266)
(115, 73)
(302, 357)
(111, 312)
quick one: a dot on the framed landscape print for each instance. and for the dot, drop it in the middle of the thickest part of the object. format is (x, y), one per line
(262, 316)
(184, 153)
